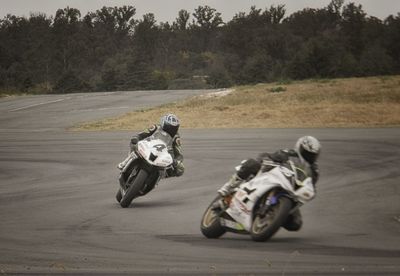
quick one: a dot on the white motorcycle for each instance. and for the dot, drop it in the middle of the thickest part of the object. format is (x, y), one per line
(262, 205)
(146, 165)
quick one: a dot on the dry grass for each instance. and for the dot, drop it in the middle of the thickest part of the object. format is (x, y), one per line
(354, 102)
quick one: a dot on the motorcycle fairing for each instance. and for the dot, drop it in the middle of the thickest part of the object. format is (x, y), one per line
(233, 225)
(155, 152)
(250, 192)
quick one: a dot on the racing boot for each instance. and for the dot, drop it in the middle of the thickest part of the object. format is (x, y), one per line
(230, 186)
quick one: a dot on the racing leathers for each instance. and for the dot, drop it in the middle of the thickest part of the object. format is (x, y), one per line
(250, 167)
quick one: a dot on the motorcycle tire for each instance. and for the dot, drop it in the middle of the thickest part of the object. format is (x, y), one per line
(210, 224)
(260, 231)
(134, 189)
(118, 196)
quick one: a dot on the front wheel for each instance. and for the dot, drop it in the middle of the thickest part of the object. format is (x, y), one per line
(118, 196)
(264, 227)
(210, 223)
(134, 189)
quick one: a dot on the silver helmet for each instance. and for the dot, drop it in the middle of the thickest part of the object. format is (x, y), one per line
(170, 124)
(308, 148)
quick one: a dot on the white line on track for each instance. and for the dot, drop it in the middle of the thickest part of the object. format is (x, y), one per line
(101, 108)
(33, 105)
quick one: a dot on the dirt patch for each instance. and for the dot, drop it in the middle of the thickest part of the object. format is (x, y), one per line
(352, 102)
(217, 94)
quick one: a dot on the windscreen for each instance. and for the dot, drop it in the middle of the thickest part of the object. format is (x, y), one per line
(163, 136)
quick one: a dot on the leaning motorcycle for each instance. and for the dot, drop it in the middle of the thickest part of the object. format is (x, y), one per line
(147, 164)
(260, 206)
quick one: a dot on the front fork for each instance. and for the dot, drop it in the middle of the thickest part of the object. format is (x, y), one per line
(130, 171)
(272, 200)
(128, 161)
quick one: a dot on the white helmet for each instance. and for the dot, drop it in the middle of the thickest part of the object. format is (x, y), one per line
(170, 124)
(308, 148)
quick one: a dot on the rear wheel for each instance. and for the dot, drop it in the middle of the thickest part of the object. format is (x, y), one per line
(210, 223)
(265, 226)
(134, 189)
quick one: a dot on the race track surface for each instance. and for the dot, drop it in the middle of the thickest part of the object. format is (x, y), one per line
(58, 212)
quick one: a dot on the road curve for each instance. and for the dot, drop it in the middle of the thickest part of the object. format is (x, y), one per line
(58, 212)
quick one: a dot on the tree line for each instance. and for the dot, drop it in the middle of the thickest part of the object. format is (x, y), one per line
(110, 49)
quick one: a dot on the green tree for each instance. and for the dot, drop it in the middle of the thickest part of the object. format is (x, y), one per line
(353, 22)
(207, 18)
(110, 50)
(70, 82)
(204, 28)
(181, 22)
(67, 44)
(391, 40)
(375, 61)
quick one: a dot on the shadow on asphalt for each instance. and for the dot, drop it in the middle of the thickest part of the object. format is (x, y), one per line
(152, 204)
(287, 245)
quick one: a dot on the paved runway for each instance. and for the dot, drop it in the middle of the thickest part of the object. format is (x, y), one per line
(58, 211)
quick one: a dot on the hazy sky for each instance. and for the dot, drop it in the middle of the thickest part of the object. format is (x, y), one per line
(167, 10)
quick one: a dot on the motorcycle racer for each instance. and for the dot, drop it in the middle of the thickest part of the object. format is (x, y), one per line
(170, 124)
(305, 153)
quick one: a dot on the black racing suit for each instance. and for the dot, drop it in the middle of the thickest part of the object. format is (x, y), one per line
(176, 152)
(251, 167)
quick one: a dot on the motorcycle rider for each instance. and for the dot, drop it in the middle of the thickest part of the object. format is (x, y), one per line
(305, 152)
(170, 124)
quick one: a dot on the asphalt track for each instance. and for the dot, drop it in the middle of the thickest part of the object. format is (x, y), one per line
(58, 212)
